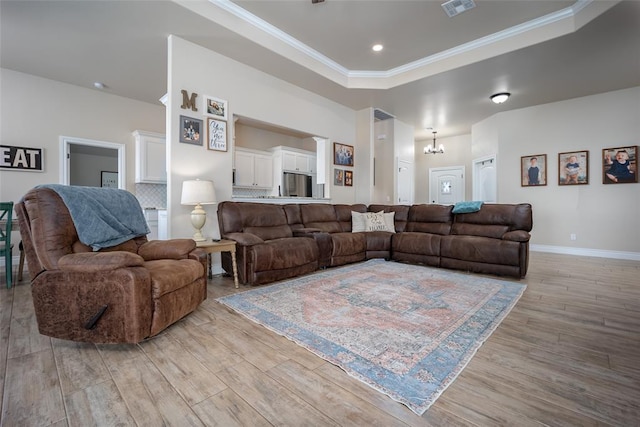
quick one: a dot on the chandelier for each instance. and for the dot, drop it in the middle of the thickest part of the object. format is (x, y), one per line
(431, 149)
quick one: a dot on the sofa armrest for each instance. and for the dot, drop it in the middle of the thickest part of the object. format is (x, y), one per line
(166, 249)
(516, 236)
(244, 239)
(90, 262)
(306, 232)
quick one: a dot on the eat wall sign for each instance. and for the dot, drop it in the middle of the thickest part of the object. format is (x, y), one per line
(21, 158)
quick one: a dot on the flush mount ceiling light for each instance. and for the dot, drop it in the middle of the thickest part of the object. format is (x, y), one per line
(99, 85)
(431, 149)
(499, 98)
(377, 47)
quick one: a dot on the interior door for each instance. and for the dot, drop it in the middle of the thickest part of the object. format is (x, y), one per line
(405, 182)
(446, 185)
(485, 179)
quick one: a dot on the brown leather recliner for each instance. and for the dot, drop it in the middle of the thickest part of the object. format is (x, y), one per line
(120, 294)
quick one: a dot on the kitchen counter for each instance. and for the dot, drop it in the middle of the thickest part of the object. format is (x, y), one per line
(280, 200)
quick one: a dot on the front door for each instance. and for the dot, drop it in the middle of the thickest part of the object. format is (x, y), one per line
(446, 185)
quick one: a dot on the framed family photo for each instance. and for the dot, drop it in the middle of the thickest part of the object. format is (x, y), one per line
(217, 135)
(348, 178)
(342, 154)
(533, 170)
(620, 165)
(573, 168)
(338, 177)
(216, 108)
(190, 130)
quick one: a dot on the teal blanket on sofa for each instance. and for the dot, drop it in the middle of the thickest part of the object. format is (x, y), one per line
(104, 217)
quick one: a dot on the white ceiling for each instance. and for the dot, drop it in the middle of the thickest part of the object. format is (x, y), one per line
(434, 71)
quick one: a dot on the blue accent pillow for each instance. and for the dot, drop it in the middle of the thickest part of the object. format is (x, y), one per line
(467, 207)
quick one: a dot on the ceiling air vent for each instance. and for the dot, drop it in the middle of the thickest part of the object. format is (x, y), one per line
(455, 7)
(381, 115)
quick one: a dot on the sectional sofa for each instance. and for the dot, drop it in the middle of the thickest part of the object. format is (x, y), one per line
(276, 241)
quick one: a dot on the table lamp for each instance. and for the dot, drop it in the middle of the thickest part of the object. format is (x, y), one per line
(198, 192)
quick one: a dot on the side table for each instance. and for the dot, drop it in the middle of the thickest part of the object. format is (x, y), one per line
(220, 246)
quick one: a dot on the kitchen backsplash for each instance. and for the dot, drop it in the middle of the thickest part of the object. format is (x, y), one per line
(152, 195)
(251, 192)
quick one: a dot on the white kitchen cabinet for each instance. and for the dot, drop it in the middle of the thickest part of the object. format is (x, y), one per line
(151, 158)
(253, 169)
(295, 162)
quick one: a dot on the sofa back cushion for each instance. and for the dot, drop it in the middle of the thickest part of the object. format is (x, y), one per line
(294, 218)
(401, 214)
(493, 220)
(264, 220)
(343, 214)
(320, 216)
(434, 219)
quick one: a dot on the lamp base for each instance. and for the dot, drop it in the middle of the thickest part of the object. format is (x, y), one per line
(198, 219)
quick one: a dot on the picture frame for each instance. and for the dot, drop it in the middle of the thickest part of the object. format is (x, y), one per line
(190, 130)
(215, 107)
(573, 168)
(342, 154)
(338, 177)
(533, 170)
(108, 179)
(348, 178)
(216, 135)
(620, 165)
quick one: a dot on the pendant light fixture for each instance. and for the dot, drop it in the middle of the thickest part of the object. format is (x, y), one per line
(431, 149)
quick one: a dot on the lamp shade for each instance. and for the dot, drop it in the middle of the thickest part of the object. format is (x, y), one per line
(198, 192)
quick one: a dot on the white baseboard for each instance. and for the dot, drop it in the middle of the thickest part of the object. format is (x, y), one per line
(600, 253)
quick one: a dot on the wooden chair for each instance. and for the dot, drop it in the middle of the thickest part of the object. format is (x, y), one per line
(6, 248)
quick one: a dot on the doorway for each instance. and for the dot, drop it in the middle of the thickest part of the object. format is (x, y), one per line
(446, 185)
(83, 161)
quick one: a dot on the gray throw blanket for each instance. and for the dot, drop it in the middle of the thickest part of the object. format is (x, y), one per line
(103, 217)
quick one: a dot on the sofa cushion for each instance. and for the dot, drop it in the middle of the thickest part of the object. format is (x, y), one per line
(320, 216)
(344, 215)
(481, 250)
(284, 253)
(434, 219)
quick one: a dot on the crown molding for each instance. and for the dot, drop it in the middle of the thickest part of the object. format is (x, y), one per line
(250, 26)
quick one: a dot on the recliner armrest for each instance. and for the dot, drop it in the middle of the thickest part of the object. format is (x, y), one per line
(516, 236)
(244, 239)
(166, 249)
(89, 262)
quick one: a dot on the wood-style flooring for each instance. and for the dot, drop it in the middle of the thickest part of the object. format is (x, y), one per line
(568, 354)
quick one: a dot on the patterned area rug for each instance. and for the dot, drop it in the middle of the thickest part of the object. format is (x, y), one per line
(405, 330)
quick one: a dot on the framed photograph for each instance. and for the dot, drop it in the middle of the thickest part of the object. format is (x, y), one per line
(348, 178)
(573, 168)
(620, 165)
(533, 170)
(109, 179)
(217, 135)
(216, 108)
(190, 130)
(338, 177)
(342, 154)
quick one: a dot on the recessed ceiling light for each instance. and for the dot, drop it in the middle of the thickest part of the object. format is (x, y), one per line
(499, 98)
(377, 47)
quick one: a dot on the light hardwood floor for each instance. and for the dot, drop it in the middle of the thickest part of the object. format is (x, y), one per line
(567, 354)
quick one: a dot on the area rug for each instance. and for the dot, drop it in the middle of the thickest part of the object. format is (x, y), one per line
(405, 330)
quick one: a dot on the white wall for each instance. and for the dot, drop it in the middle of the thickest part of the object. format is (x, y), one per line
(35, 112)
(250, 93)
(603, 217)
(87, 169)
